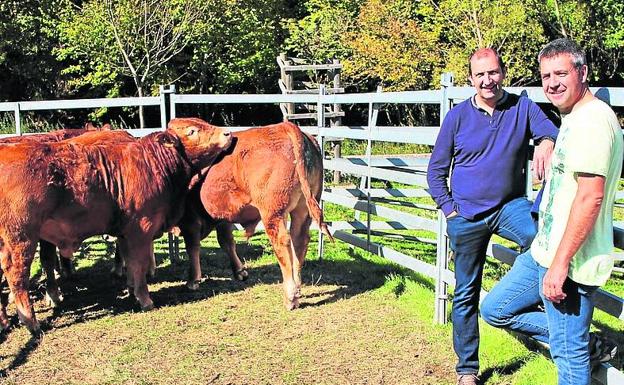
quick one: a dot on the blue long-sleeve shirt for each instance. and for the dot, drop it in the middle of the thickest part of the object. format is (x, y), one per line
(487, 154)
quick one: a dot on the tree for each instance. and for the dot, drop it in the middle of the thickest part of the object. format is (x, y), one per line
(510, 26)
(235, 45)
(597, 26)
(393, 44)
(28, 70)
(319, 36)
(132, 38)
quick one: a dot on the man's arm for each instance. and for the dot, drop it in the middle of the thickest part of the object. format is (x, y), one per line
(583, 214)
(544, 132)
(541, 158)
(439, 168)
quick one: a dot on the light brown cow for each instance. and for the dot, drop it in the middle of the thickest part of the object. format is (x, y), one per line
(269, 174)
(66, 192)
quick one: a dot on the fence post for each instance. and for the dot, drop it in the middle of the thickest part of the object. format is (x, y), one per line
(172, 104)
(165, 116)
(165, 99)
(288, 80)
(18, 120)
(441, 287)
(337, 120)
(373, 113)
(320, 138)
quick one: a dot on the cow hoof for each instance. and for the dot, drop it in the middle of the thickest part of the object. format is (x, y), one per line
(117, 272)
(11, 297)
(193, 285)
(5, 323)
(53, 300)
(241, 274)
(292, 305)
(37, 335)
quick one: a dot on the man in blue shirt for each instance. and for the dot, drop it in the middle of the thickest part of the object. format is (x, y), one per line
(485, 142)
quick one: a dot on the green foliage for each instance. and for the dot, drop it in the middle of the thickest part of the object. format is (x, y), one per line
(234, 46)
(393, 45)
(320, 35)
(27, 68)
(507, 25)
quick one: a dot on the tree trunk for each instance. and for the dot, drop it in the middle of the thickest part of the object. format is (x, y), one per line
(141, 116)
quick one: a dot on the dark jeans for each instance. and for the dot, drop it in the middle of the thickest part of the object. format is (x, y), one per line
(469, 241)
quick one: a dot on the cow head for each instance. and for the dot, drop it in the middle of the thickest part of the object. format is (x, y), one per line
(202, 142)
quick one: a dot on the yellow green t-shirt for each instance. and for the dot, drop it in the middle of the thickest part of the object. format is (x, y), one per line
(589, 141)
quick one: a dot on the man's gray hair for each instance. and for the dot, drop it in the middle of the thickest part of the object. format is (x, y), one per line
(564, 46)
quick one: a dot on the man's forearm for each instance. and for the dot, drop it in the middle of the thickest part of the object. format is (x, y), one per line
(585, 210)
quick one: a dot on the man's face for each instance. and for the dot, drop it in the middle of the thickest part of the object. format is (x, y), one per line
(562, 82)
(486, 77)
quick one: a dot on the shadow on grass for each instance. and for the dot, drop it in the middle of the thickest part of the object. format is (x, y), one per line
(505, 369)
(615, 336)
(22, 356)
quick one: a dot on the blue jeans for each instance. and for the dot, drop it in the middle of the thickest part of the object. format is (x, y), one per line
(513, 304)
(469, 240)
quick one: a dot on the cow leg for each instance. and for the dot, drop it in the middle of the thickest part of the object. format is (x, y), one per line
(192, 239)
(118, 264)
(138, 263)
(16, 260)
(47, 255)
(282, 245)
(300, 221)
(65, 266)
(4, 302)
(227, 243)
(151, 271)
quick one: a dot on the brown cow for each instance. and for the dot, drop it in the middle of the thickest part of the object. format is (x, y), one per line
(268, 173)
(66, 192)
(47, 250)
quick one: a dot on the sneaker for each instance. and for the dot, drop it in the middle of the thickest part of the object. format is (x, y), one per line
(467, 379)
(600, 350)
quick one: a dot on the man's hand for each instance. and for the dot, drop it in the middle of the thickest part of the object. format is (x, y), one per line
(452, 214)
(541, 158)
(553, 283)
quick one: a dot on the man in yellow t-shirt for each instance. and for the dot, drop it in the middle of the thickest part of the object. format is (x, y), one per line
(571, 255)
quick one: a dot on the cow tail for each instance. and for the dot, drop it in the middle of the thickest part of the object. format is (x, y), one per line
(296, 137)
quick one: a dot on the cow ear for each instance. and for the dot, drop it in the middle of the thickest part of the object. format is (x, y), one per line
(166, 139)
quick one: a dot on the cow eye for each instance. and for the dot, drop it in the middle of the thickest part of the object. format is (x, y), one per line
(191, 131)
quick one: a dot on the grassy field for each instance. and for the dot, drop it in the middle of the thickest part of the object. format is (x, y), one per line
(363, 320)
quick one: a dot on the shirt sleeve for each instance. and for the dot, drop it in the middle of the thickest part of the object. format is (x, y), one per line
(541, 127)
(590, 144)
(440, 165)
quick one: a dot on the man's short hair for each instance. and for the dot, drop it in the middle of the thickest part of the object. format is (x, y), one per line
(564, 46)
(482, 52)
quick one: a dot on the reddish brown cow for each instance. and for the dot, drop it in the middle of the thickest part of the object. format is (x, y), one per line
(47, 250)
(268, 174)
(66, 192)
